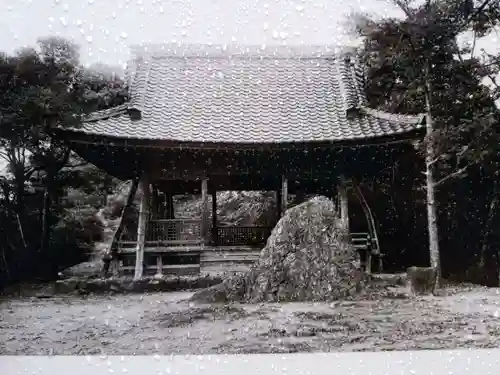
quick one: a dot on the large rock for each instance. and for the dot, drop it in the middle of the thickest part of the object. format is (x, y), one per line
(307, 257)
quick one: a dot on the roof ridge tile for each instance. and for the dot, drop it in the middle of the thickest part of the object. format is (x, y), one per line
(107, 113)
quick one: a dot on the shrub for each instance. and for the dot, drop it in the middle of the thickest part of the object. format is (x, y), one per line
(73, 239)
(114, 209)
(93, 229)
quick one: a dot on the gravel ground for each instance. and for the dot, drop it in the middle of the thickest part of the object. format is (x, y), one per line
(167, 324)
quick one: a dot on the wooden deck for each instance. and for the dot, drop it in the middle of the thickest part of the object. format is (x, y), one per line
(177, 246)
(190, 260)
(201, 259)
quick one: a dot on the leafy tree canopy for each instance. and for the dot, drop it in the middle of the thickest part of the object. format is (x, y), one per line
(401, 54)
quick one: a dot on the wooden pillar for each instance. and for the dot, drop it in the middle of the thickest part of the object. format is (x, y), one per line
(170, 206)
(112, 259)
(284, 194)
(278, 204)
(344, 205)
(214, 218)
(115, 267)
(300, 197)
(159, 265)
(204, 210)
(141, 228)
(157, 212)
(155, 202)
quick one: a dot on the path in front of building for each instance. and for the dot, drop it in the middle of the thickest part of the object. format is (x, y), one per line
(167, 324)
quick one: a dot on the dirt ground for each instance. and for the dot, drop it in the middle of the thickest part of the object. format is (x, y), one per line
(167, 324)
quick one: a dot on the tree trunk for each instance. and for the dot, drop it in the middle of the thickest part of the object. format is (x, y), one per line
(430, 155)
(47, 203)
(490, 257)
(49, 268)
(52, 169)
(20, 197)
(20, 202)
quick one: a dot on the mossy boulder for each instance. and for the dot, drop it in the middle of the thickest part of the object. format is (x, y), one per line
(307, 258)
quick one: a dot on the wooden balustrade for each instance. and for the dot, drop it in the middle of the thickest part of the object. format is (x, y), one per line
(168, 232)
(367, 248)
(240, 235)
(174, 232)
(177, 243)
(179, 232)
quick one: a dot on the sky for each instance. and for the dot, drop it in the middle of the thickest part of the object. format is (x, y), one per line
(106, 28)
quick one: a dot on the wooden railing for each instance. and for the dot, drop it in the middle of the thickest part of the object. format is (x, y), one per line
(361, 241)
(174, 232)
(368, 250)
(168, 232)
(178, 232)
(239, 235)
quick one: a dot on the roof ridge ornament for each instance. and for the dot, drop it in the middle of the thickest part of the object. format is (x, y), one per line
(418, 119)
(134, 113)
(106, 113)
(352, 112)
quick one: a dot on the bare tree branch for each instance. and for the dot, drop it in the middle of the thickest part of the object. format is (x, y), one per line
(81, 164)
(474, 40)
(4, 155)
(437, 159)
(404, 6)
(458, 173)
(493, 80)
(29, 172)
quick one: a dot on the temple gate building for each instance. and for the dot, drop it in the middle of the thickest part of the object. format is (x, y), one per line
(202, 119)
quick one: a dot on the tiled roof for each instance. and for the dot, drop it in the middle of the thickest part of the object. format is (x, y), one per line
(246, 95)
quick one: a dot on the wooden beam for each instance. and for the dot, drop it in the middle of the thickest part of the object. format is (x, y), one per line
(370, 219)
(113, 249)
(344, 203)
(141, 227)
(80, 138)
(170, 206)
(278, 204)
(214, 217)
(204, 210)
(155, 202)
(159, 266)
(284, 194)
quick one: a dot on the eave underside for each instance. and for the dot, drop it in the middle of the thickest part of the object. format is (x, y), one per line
(309, 168)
